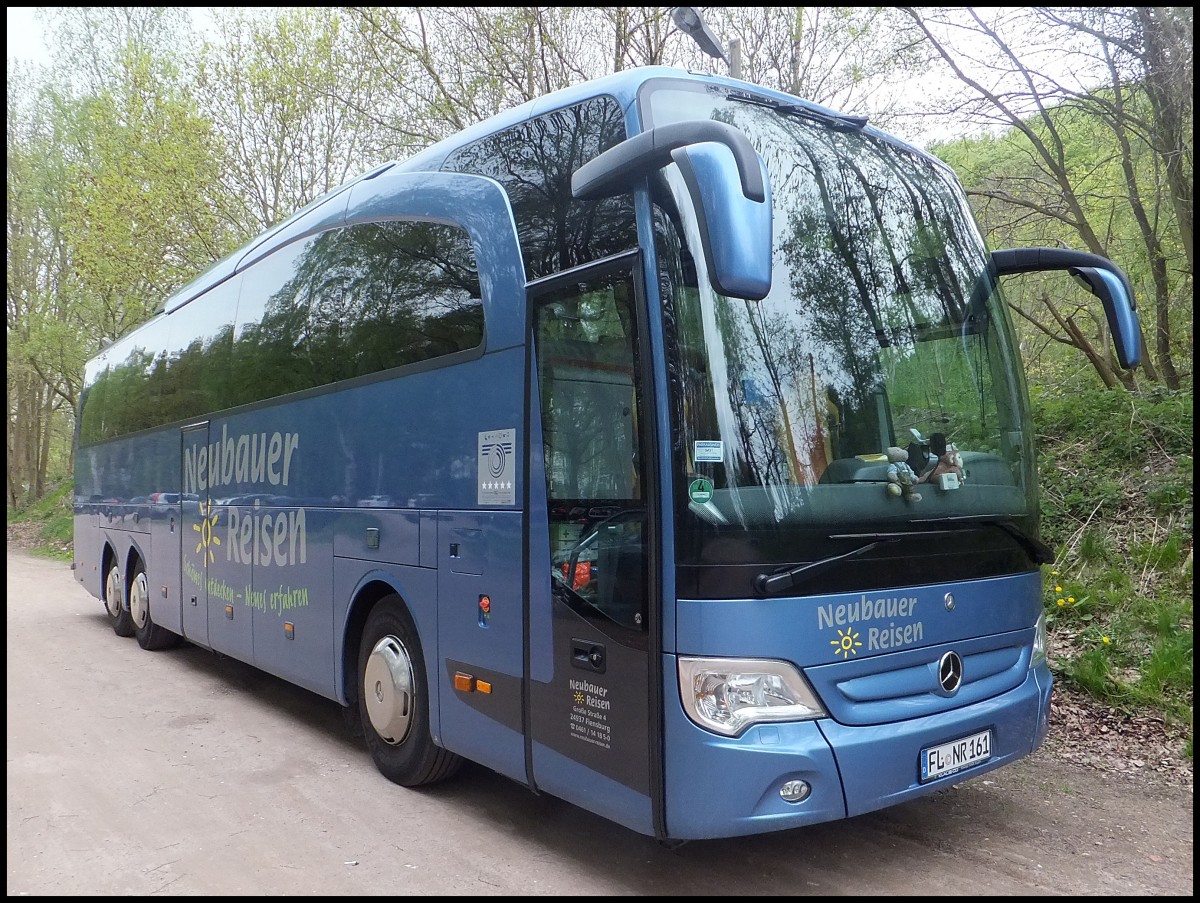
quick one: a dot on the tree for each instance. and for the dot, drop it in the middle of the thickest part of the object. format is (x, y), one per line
(440, 69)
(38, 347)
(110, 207)
(1120, 96)
(292, 101)
(843, 57)
(1155, 45)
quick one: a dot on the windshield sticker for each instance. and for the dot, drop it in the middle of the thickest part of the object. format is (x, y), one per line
(709, 450)
(700, 491)
(497, 467)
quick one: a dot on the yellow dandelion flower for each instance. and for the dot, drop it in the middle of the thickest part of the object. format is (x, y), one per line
(1058, 589)
(1061, 602)
(1071, 599)
(1105, 640)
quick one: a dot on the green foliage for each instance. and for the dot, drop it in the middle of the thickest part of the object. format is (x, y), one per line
(1116, 477)
(50, 522)
(1127, 454)
(1101, 190)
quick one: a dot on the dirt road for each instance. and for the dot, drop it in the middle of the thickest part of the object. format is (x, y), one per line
(181, 772)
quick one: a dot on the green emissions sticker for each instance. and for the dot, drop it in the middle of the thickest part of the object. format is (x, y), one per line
(700, 491)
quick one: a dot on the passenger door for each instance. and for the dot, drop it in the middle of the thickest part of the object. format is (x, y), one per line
(593, 710)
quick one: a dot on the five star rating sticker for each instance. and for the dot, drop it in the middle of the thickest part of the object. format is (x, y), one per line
(497, 467)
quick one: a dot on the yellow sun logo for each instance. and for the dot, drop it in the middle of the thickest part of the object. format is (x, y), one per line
(846, 644)
(578, 698)
(208, 536)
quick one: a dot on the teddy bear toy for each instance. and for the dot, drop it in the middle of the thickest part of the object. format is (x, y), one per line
(945, 468)
(902, 479)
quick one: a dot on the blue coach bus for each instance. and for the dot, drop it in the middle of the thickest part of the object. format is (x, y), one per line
(661, 444)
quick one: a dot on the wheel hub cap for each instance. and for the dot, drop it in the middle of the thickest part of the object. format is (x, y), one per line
(139, 601)
(112, 593)
(388, 690)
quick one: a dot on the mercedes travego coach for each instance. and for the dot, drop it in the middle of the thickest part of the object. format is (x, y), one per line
(661, 444)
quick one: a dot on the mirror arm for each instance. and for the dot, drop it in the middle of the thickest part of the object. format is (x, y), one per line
(1098, 275)
(1028, 260)
(612, 171)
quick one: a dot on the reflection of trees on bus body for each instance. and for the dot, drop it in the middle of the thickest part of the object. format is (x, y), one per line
(866, 331)
(534, 163)
(331, 318)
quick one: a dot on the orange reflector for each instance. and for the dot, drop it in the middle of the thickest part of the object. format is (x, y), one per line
(485, 604)
(463, 682)
(229, 612)
(289, 630)
(483, 686)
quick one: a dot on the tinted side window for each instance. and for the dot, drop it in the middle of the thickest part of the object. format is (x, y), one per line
(93, 402)
(131, 392)
(410, 292)
(355, 301)
(346, 303)
(117, 396)
(534, 162)
(271, 333)
(173, 368)
(191, 371)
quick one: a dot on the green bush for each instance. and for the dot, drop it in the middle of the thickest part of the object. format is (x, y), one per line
(52, 519)
(1116, 489)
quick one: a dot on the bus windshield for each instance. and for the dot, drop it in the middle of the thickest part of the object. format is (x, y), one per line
(876, 386)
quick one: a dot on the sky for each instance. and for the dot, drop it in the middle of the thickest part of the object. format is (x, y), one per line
(27, 44)
(25, 37)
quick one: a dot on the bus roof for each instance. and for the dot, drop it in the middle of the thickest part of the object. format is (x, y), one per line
(623, 86)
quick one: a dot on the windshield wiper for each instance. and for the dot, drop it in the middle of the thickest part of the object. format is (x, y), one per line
(773, 583)
(1034, 547)
(839, 122)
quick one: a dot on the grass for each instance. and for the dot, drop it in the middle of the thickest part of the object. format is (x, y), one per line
(1117, 499)
(48, 523)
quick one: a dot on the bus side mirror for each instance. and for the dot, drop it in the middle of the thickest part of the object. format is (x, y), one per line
(728, 185)
(735, 231)
(1118, 308)
(1098, 275)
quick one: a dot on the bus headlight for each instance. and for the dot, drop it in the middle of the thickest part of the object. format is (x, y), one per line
(727, 695)
(1039, 642)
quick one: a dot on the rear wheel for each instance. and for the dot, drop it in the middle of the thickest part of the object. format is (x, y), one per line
(114, 593)
(149, 635)
(393, 700)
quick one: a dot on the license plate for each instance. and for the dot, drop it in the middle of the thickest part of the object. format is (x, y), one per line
(938, 761)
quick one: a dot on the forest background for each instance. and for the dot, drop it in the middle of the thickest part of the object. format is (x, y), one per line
(153, 144)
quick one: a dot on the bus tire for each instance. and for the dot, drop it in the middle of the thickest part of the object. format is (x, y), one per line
(114, 592)
(393, 700)
(149, 635)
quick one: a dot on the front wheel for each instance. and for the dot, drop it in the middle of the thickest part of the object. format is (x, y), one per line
(114, 592)
(393, 700)
(149, 635)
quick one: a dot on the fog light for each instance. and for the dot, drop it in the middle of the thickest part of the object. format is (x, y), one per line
(795, 791)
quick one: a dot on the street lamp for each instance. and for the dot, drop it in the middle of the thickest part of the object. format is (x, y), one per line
(689, 22)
